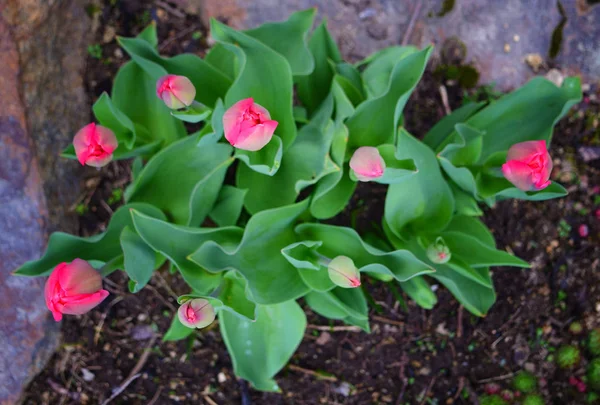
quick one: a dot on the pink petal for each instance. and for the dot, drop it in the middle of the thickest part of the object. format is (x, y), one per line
(99, 161)
(80, 304)
(81, 141)
(257, 137)
(257, 108)
(163, 83)
(183, 89)
(524, 150)
(79, 277)
(367, 163)
(233, 117)
(519, 174)
(106, 138)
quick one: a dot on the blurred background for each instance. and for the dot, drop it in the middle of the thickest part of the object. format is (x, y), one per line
(58, 56)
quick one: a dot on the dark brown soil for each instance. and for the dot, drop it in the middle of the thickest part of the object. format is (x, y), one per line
(412, 356)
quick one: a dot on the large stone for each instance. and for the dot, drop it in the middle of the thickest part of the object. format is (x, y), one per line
(497, 35)
(28, 336)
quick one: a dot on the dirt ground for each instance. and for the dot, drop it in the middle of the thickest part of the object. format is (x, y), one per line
(412, 356)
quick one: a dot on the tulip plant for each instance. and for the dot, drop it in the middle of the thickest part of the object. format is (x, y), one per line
(296, 128)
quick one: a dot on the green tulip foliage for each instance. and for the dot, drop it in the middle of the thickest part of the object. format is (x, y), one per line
(244, 228)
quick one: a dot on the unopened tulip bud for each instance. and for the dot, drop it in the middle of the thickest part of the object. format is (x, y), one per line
(94, 145)
(73, 289)
(196, 313)
(176, 91)
(248, 125)
(438, 252)
(343, 272)
(367, 163)
(528, 166)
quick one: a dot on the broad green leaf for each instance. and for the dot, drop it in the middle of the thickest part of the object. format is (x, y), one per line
(302, 164)
(465, 204)
(134, 93)
(376, 120)
(199, 174)
(177, 242)
(260, 349)
(150, 35)
(347, 304)
(424, 201)
(380, 66)
(472, 227)
(396, 171)
(210, 83)
(529, 113)
(214, 132)
(315, 87)
(349, 78)
(229, 205)
(111, 117)
(264, 162)
(140, 259)
(223, 60)
(230, 297)
(103, 247)
(401, 264)
(271, 278)
(288, 38)
(419, 291)
(264, 75)
(445, 127)
(194, 114)
(304, 256)
(464, 147)
(492, 188)
(177, 330)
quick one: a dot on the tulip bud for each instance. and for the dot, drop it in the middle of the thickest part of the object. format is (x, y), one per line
(176, 91)
(248, 126)
(343, 272)
(528, 166)
(196, 313)
(73, 289)
(367, 163)
(94, 145)
(438, 252)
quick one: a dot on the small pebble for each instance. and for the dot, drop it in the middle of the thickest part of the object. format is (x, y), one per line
(516, 38)
(584, 231)
(507, 48)
(221, 377)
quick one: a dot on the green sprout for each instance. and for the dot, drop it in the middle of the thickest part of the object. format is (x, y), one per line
(533, 399)
(95, 51)
(593, 374)
(525, 382)
(594, 342)
(568, 357)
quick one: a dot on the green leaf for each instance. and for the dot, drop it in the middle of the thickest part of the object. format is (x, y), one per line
(228, 207)
(304, 256)
(424, 201)
(380, 66)
(350, 80)
(264, 75)
(139, 258)
(271, 278)
(223, 60)
(199, 173)
(103, 247)
(528, 113)
(315, 87)
(178, 242)
(401, 264)
(419, 291)
(472, 227)
(177, 330)
(149, 35)
(194, 114)
(265, 161)
(111, 117)
(302, 165)
(347, 304)
(445, 127)
(260, 349)
(465, 204)
(396, 170)
(493, 188)
(288, 38)
(376, 120)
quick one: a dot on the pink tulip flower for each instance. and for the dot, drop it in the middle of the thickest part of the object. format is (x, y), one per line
(528, 166)
(73, 289)
(343, 272)
(248, 126)
(367, 164)
(94, 145)
(196, 313)
(176, 91)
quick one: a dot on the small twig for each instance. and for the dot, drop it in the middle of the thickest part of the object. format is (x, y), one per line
(312, 373)
(335, 328)
(461, 385)
(411, 23)
(459, 326)
(106, 207)
(445, 103)
(155, 397)
(429, 387)
(179, 35)
(135, 371)
(62, 390)
(209, 400)
(98, 328)
(386, 320)
(402, 375)
(499, 378)
(169, 9)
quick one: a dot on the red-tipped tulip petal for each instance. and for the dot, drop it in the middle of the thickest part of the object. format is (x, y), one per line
(528, 165)
(343, 272)
(176, 91)
(73, 289)
(196, 313)
(367, 163)
(248, 125)
(94, 145)
(438, 252)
